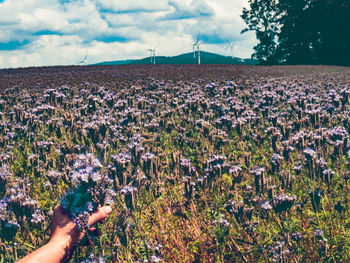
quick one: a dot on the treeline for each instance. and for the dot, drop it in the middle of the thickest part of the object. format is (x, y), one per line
(300, 31)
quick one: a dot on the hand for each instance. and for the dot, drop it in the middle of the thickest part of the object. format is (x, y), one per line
(64, 236)
(64, 231)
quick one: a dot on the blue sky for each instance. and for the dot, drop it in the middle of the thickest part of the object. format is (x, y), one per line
(60, 32)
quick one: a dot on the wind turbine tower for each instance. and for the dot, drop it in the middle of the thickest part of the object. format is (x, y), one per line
(154, 53)
(231, 46)
(199, 53)
(194, 52)
(151, 54)
(198, 50)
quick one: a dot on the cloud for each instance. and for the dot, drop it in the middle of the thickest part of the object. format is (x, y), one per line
(8, 20)
(131, 6)
(191, 9)
(55, 32)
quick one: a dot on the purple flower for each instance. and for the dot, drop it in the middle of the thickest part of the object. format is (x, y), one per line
(3, 210)
(53, 175)
(283, 203)
(37, 217)
(129, 193)
(318, 233)
(86, 168)
(4, 178)
(309, 154)
(266, 206)
(92, 188)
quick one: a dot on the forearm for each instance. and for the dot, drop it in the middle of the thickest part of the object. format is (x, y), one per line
(52, 252)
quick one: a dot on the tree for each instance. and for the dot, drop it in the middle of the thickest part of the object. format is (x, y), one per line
(333, 43)
(262, 17)
(300, 31)
(296, 38)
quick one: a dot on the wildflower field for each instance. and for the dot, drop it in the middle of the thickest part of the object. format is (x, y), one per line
(199, 163)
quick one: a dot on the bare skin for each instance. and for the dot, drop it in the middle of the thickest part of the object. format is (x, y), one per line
(64, 237)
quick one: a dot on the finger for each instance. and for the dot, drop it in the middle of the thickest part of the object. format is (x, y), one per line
(92, 229)
(100, 214)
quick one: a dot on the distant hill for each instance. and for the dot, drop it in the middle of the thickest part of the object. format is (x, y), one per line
(187, 58)
(118, 62)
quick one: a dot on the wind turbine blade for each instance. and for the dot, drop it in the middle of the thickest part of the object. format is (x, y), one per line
(156, 46)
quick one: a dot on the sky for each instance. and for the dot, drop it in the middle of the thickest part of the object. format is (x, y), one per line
(61, 32)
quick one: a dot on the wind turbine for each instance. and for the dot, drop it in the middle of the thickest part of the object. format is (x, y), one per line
(231, 46)
(241, 49)
(85, 60)
(153, 53)
(198, 51)
(194, 52)
(150, 54)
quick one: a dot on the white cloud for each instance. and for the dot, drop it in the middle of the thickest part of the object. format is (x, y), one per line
(42, 19)
(134, 5)
(189, 9)
(56, 32)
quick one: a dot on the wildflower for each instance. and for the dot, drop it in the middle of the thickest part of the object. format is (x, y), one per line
(85, 169)
(37, 217)
(3, 210)
(259, 178)
(4, 179)
(90, 191)
(29, 205)
(266, 206)
(53, 175)
(282, 203)
(276, 161)
(297, 169)
(309, 154)
(155, 259)
(129, 193)
(186, 166)
(296, 236)
(318, 233)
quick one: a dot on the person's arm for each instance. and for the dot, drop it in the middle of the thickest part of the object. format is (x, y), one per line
(64, 237)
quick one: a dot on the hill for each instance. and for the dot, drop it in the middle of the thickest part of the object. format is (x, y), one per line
(187, 58)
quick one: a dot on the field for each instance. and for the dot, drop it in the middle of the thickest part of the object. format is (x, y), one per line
(201, 163)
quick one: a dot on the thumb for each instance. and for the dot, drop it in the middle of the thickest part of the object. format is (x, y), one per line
(100, 214)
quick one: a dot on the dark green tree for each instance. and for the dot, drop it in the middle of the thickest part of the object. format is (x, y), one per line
(332, 45)
(297, 37)
(263, 18)
(300, 31)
